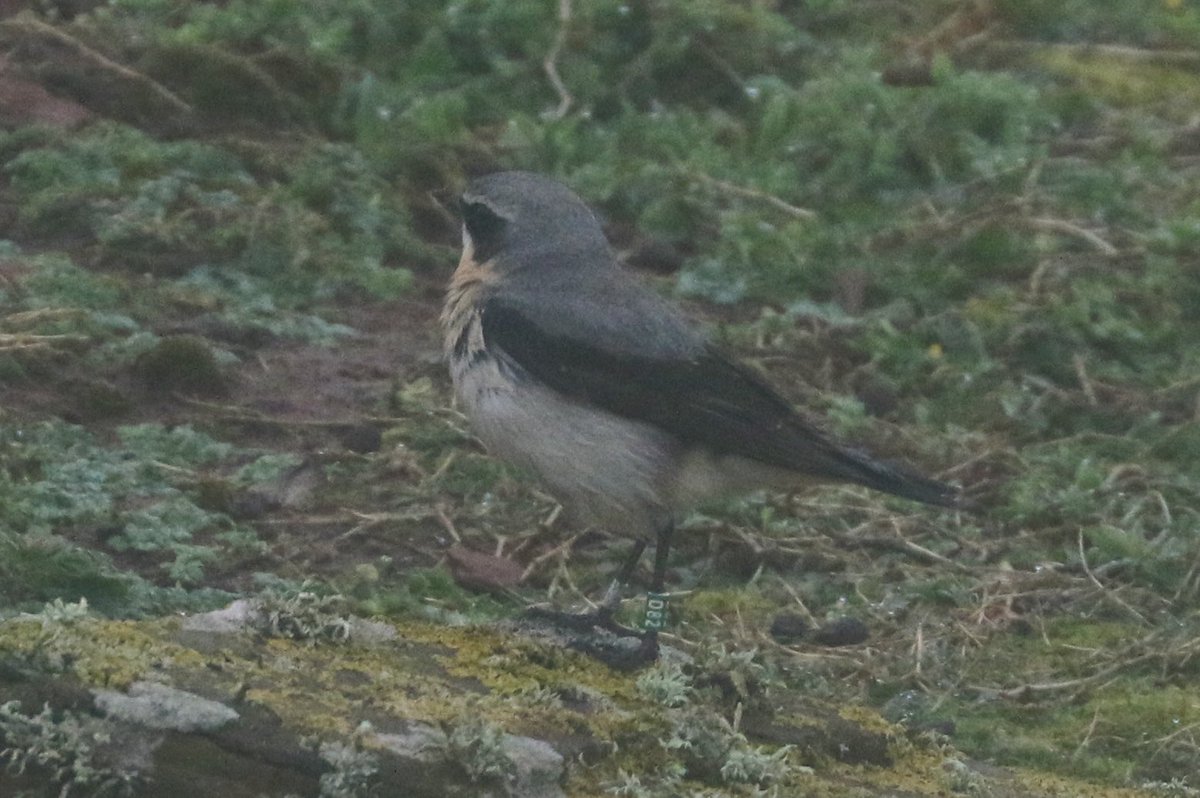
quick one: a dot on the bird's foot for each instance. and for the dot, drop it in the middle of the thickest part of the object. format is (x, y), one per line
(599, 618)
(622, 647)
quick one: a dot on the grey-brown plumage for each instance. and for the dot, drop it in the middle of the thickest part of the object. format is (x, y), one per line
(570, 367)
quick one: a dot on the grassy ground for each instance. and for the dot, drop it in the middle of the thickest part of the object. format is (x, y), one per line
(967, 234)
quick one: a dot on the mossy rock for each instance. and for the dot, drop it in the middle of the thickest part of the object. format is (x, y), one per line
(94, 400)
(184, 363)
(209, 705)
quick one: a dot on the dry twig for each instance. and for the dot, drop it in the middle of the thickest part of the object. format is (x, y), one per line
(25, 318)
(447, 524)
(1031, 690)
(240, 415)
(1087, 737)
(754, 194)
(561, 551)
(1062, 226)
(550, 62)
(1087, 569)
(368, 521)
(1007, 48)
(34, 26)
(1084, 382)
(12, 342)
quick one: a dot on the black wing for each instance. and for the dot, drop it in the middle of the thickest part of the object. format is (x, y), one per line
(703, 399)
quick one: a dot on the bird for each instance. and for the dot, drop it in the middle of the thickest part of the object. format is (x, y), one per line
(571, 368)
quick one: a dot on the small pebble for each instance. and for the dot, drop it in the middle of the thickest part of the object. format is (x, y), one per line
(362, 438)
(788, 627)
(842, 632)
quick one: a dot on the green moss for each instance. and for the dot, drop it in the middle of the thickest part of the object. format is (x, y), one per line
(58, 478)
(1125, 83)
(224, 86)
(1122, 713)
(702, 606)
(98, 401)
(435, 674)
(35, 570)
(183, 363)
(110, 654)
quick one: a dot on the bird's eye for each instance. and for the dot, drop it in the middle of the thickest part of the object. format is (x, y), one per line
(485, 227)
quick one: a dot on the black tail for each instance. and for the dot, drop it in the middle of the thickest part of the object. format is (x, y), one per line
(860, 469)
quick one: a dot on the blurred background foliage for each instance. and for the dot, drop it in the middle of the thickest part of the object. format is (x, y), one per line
(967, 228)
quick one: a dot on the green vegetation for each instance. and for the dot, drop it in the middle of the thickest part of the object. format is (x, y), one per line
(139, 497)
(302, 614)
(72, 748)
(967, 233)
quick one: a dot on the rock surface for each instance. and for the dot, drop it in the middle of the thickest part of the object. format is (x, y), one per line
(210, 705)
(157, 706)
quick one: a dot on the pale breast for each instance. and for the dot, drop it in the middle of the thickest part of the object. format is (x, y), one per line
(605, 469)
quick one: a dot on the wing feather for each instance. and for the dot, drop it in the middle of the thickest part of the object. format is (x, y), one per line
(701, 397)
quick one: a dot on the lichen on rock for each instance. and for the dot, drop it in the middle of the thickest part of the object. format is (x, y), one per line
(426, 711)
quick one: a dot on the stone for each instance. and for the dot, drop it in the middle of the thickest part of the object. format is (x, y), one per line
(158, 706)
(538, 768)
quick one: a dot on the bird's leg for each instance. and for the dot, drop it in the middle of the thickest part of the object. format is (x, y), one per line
(656, 599)
(602, 616)
(662, 549)
(646, 650)
(612, 597)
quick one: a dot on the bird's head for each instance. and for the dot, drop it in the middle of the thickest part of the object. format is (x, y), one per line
(520, 220)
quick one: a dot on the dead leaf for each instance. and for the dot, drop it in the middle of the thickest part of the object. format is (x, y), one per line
(475, 570)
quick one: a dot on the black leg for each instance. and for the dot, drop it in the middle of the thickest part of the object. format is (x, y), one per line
(602, 617)
(626, 572)
(612, 597)
(662, 550)
(656, 599)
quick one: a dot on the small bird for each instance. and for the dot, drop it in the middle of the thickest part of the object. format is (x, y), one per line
(572, 369)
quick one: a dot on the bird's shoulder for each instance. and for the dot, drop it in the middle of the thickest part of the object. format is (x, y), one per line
(609, 313)
(631, 352)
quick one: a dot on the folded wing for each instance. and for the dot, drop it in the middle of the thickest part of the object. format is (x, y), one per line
(692, 391)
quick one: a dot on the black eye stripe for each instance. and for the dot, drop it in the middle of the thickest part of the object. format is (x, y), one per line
(486, 228)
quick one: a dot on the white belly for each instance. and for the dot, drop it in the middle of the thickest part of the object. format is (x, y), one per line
(606, 470)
